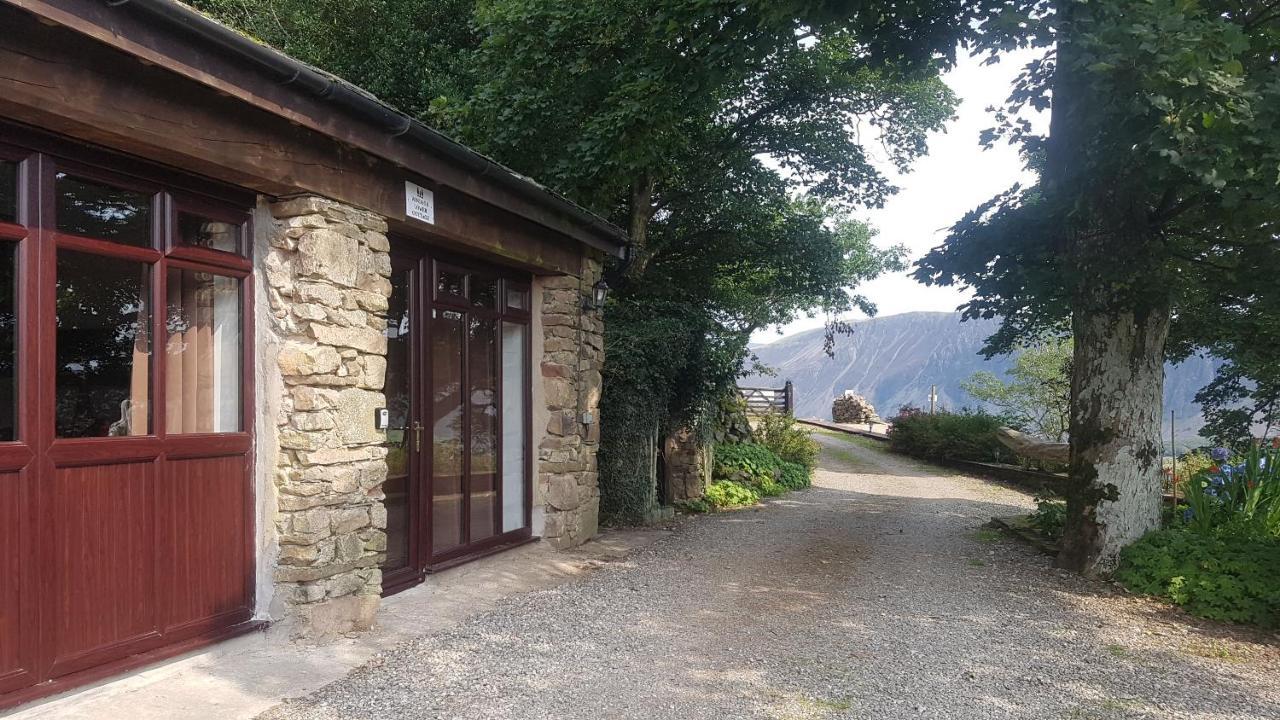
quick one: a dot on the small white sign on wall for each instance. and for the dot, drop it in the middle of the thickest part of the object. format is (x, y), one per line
(419, 203)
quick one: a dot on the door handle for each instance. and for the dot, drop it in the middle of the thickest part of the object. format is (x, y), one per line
(417, 436)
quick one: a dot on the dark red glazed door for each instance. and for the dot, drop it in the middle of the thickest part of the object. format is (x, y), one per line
(125, 445)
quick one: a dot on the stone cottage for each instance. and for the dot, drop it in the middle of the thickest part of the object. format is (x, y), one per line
(269, 349)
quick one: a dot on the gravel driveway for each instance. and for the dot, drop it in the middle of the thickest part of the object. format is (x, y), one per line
(876, 594)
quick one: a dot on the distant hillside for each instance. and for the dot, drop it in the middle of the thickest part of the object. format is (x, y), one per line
(893, 360)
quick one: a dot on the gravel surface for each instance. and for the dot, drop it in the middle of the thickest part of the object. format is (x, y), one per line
(875, 594)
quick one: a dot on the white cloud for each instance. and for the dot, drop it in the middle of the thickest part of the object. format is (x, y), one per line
(955, 177)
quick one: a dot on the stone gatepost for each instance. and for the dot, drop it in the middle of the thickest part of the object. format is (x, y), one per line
(326, 272)
(573, 354)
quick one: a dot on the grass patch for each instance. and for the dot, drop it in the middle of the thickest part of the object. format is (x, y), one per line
(1118, 651)
(976, 562)
(1213, 651)
(987, 535)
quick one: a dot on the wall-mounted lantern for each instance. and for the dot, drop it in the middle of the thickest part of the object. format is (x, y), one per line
(599, 293)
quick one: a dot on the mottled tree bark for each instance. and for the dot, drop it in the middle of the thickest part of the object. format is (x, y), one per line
(1116, 399)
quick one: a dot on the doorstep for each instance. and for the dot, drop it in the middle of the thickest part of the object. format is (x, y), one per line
(245, 676)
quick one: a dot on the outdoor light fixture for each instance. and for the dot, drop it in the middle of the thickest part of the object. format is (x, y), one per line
(599, 293)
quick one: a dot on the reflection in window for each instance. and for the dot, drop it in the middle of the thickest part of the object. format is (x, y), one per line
(202, 353)
(201, 232)
(482, 357)
(8, 191)
(101, 211)
(484, 291)
(514, 462)
(8, 343)
(450, 284)
(517, 298)
(398, 389)
(448, 443)
(103, 346)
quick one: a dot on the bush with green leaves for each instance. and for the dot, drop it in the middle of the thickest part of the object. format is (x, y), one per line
(1050, 516)
(790, 442)
(794, 476)
(1220, 576)
(728, 494)
(748, 463)
(966, 435)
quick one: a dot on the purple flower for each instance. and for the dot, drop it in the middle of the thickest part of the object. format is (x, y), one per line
(1220, 454)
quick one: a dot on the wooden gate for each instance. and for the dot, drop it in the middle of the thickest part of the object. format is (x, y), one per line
(761, 401)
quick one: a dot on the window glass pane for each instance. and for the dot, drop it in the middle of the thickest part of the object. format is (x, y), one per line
(8, 191)
(517, 298)
(8, 343)
(103, 346)
(202, 353)
(96, 210)
(482, 358)
(398, 388)
(513, 430)
(447, 336)
(450, 283)
(484, 291)
(201, 232)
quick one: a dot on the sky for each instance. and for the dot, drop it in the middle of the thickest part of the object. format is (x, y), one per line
(955, 177)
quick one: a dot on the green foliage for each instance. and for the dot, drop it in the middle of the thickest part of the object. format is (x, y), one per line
(748, 463)
(1241, 497)
(1050, 516)
(1223, 577)
(729, 494)
(1190, 465)
(694, 506)
(795, 476)
(967, 435)
(790, 442)
(1038, 397)
(730, 424)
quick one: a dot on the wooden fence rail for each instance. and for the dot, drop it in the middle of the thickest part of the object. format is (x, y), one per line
(761, 401)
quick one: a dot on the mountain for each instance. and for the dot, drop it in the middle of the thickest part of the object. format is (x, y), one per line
(893, 360)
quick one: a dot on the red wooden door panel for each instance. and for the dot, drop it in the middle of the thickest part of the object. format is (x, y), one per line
(18, 623)
(203, 508)
(102, 602)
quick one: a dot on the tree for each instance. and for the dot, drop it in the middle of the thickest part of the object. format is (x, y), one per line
(730, 138)
(1038, 399)
(1156, 202)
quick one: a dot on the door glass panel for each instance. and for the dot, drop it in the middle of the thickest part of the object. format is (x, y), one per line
(202, 352)
(103, 346)
(484, 291)
(517, 298)
(450, 284)
(514, 385)
(8, 342)
(201, 232)
(398, 389)
(97, 210)
(8, 191)
(482, 355)
(447, 448)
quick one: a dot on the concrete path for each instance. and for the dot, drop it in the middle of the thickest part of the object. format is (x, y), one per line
(876, 594)
(243, 677)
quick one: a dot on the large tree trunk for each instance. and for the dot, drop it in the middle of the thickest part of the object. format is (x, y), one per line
(1116, 399)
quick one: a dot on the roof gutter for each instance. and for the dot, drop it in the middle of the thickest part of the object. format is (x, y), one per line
(296, 74)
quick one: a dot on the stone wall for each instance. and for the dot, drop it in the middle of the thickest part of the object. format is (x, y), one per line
(687, 466)
(573, 354)
(326, 273)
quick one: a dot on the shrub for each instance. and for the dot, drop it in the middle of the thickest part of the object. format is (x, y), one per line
(794, 476)
(1223, 576)
(1240, 495)
(967, 435)
(1050, 516)
(729, 494)
(695, 505)
(745, 463)
(786, 439)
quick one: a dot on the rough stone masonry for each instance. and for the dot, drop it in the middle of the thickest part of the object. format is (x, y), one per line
(327, 273)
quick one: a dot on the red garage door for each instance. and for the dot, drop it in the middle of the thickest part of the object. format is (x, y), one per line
(125, 431)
